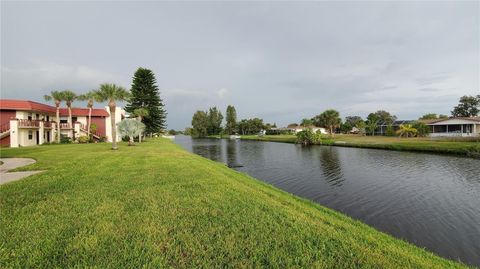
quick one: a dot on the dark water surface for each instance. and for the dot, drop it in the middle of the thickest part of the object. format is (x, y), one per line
(432, 201)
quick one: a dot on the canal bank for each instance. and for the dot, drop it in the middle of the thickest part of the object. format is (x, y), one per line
(157, 205)
(430, 200)
(467, 148)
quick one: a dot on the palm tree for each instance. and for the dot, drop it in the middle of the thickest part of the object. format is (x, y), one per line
(109, 92)
(407, 130)
(57, 97)
(140, 113)
(69, 97)
(89, 96)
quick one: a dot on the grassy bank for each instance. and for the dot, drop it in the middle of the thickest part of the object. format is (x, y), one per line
(446, 146)
(156, 205)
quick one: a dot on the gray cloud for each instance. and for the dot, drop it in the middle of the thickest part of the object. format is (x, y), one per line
(281, 61)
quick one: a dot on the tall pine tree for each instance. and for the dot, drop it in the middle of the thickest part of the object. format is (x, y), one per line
(145, 94)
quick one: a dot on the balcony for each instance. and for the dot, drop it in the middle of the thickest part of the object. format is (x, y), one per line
(47, 124)
(65, 126)
(28, 123)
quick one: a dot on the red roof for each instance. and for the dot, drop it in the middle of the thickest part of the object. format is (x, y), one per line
(24, 105)
(96, 112)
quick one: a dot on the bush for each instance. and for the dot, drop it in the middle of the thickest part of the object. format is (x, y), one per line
(308, 137)
(83, 139)
(65, 139)
(422, 129)
(102, 139)
(390, 131)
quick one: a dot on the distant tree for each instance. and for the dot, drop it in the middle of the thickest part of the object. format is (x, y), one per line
(308, 137)
(188, 131)
(361, 127)
(353, 120)
(57, 97)
(422, 129)
(346, 127)
(172, 132)
(469, 106)
(145, 94)
(406, 130)
(385, 117)
(250, 126)
(200, 124)
(442, 116)
(390, 131)
(306, 122)
(372, 123)
(215, 118)
(329, 119)
(130, 128)
(231, 125)
(429, 116)
(111, 93)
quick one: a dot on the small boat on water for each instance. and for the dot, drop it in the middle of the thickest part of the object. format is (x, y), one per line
(233, 137)
(168, 136)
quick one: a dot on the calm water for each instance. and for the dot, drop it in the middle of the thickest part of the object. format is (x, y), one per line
(430, 200)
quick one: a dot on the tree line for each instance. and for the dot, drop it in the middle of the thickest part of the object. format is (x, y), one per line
(209, 122)
(143, 102)
(469, 106)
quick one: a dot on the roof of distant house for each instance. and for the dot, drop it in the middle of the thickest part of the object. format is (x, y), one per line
(8, 104)
(26, 105)
(96, 112)
(431, 121)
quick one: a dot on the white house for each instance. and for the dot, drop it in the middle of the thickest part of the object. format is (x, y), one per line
(28, 123)
(315, 129)
(454, 127)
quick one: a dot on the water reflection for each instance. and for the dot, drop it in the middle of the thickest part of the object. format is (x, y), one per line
(331, 167)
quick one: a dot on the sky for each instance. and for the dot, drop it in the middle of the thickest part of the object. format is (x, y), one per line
(280, 61)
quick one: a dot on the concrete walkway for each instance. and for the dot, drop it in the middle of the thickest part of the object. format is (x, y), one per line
(12, 163)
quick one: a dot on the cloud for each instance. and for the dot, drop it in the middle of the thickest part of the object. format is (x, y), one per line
(40, 78)
(222, 92)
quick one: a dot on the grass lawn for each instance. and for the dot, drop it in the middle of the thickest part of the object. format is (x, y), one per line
(156, 205)
(438, 145)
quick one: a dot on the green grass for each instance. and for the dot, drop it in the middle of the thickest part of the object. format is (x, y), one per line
(462, 147)
(156, 205)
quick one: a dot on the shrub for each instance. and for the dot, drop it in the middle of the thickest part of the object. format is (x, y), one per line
(65, 139)
(390, 131)
(308, 137)
(83, 139)
(422, 129)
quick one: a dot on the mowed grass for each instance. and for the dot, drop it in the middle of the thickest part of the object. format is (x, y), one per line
(463, 147)
(155, 205)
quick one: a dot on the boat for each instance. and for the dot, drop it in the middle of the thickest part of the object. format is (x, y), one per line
(233, 137)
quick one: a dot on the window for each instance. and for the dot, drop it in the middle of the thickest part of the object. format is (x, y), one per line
(30, 135)
(29, 116)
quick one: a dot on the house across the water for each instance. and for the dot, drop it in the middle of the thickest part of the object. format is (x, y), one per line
(28, 123)
(449, 127)
(454, 127)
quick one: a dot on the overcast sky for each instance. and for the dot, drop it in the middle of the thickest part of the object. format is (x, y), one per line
(280, 61)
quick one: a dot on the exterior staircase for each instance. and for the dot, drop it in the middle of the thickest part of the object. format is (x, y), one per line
(5, 130)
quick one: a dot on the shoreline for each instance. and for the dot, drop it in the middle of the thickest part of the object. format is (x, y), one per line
(436, 146)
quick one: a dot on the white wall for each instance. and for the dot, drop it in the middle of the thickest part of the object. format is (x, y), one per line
(23, 137)
(108, 125)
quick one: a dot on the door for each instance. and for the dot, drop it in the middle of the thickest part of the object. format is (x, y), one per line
(38, 137)
(48, 137)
